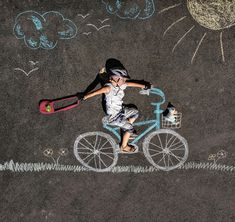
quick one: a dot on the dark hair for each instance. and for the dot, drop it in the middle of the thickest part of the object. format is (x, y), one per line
(113, 63)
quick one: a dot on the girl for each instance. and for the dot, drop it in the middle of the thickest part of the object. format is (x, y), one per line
(117, 113)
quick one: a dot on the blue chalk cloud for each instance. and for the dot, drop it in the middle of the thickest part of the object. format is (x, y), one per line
(43, 30)
(132, 9)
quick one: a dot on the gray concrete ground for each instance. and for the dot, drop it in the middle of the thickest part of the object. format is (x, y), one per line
(203, 91)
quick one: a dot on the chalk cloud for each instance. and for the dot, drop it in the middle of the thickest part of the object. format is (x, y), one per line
(43, 30)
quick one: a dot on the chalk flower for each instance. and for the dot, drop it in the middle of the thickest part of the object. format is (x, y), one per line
(48, 152)
(222, 154)
(63, 152)
(212, 157)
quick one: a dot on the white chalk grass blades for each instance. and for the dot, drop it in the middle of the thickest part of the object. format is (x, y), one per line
(96, 150)
(165, 149)
(16, 167)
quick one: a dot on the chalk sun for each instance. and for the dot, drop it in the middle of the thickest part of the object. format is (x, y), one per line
(213, 15)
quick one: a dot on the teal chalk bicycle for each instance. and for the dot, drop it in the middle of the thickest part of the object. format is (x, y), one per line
(164, 148)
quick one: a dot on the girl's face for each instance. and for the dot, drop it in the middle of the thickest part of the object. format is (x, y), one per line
(117, 80)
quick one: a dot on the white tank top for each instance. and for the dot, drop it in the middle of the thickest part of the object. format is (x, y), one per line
(114, 99)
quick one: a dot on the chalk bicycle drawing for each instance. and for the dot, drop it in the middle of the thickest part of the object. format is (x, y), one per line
(164, 148)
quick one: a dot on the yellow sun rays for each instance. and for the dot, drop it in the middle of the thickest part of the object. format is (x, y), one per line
(211, 14)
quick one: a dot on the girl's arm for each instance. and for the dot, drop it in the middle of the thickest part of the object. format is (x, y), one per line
(102, 90)
(133, 84)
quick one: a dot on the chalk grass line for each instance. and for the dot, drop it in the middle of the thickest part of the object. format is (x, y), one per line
(98, 29)
(174, 23)
(168, 8)
(198, 46)
(27, 74)
(102, 21)
(178, 42)
(40, 167)
(83, 16)
(221, 46)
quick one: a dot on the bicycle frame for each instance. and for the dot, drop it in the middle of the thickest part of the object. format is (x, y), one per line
(154, 124)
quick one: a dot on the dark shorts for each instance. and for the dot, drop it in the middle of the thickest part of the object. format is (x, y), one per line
(121, 119)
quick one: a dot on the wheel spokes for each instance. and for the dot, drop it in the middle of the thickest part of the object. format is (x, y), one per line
(106, 148)
(170, 140)
(84, 152)
(87, 156)
(96, 151)
(156, 145)
(177, 157)
(85, 146)
(90, 159)
(178, 147)
(165, 149)
(96, 139)
(107, 155)
(95, 160)
(169, 158)
(99, 143)
(160, 140)
(157, 153)
(161, 158)
(88, 142)
(103, 145)
(164, 160)
(102, 161)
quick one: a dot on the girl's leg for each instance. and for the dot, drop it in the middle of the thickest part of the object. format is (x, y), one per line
(125, 139)
(126, 136)
(131, 115)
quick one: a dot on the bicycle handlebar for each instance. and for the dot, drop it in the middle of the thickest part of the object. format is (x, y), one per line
(155, 91)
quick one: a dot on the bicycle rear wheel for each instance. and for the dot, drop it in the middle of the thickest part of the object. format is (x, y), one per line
(96, 150)
(165, 149)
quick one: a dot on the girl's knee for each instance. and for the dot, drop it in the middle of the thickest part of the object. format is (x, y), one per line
(127, 127)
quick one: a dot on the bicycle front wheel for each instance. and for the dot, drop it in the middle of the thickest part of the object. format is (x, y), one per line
(165, 149)
(96, 150)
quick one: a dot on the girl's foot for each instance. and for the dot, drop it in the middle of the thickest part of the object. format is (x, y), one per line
(128, 149)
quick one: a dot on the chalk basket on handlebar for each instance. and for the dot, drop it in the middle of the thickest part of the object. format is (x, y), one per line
(166, 124)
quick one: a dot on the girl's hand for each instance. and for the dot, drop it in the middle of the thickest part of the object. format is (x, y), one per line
(147, 85)
(80, 95)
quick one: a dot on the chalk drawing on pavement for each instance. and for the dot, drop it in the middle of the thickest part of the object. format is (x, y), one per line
(43, 30)
(165, 149)
(98, 28)
(102, 21)
(41, 167)
(32, 64)
(86, 33)
(83, 16)
(49, 153)
(143, 9)
(222, 154)
(213, 15)
(26, 73)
